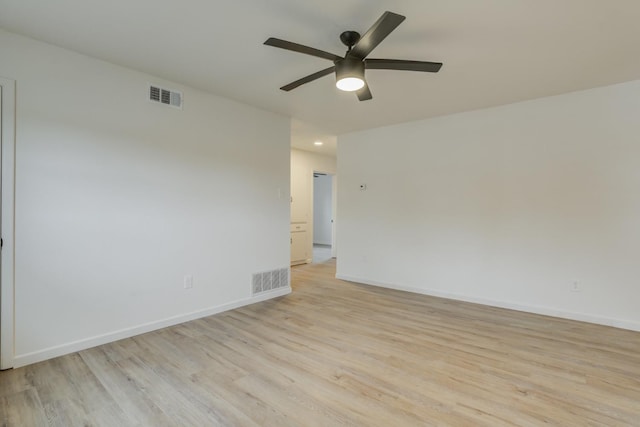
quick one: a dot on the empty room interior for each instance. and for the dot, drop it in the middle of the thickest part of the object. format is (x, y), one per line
(283, 213)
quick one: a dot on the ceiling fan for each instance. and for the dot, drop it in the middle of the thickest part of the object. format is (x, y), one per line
(350, 69)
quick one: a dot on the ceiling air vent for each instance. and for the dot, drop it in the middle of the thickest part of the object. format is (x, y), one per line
(168, 97)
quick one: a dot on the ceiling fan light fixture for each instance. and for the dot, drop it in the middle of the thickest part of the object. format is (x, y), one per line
(349, 69)
(350, 74)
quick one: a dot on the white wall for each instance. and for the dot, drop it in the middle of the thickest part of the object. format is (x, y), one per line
(506, 206)
(117, 199)
(322, 209)
(303, 164)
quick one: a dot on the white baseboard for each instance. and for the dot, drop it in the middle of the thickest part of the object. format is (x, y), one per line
(546, 311)
(61, 350)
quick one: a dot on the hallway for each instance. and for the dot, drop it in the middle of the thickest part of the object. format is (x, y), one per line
(321, 253)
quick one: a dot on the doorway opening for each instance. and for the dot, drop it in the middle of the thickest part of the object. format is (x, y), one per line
(324, 210)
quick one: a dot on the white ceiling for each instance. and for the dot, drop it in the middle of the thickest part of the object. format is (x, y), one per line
(304, 135)
(494, 51)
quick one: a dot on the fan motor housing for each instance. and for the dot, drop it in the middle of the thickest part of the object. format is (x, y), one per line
(349, 67)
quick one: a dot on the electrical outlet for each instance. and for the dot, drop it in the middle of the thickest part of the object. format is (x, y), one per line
(188, 282)
(575, 286)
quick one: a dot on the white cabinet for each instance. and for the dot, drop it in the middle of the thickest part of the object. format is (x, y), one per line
(300, 195)
(299, 244)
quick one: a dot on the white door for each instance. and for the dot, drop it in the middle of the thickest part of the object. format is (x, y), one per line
(7, 147)
(1, 293)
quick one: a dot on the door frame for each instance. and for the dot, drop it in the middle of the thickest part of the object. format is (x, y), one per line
(334, 212)
(7, 228)
(334, 200)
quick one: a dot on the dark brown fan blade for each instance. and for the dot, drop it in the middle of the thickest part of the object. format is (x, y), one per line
(364, 94)
(283, 44)
(401, 64)
(378, 32)
(309, 78)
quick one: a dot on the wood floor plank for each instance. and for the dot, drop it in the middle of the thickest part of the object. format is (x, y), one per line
(127, 394)
(22, 409)
(14, 381)
(335, 353)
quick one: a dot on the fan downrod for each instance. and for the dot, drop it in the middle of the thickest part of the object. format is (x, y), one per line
(350, 38)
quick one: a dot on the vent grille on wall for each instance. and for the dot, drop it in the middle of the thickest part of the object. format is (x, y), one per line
(270, 280)
(165, 96)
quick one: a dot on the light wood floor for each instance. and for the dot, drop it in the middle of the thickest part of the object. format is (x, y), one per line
(335, 353)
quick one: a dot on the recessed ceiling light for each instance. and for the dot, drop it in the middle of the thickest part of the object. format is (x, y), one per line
(317, 143)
